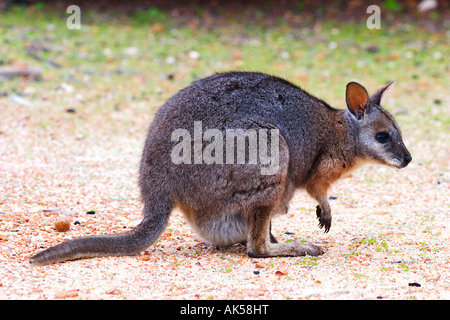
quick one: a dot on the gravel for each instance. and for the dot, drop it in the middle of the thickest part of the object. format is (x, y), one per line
(388, 240)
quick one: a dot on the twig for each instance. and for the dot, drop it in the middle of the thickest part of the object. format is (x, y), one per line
(20, 71)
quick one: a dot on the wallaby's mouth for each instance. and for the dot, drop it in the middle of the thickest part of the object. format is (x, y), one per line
(398, 163)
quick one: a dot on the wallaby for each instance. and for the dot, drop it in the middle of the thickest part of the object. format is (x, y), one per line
(226, 197)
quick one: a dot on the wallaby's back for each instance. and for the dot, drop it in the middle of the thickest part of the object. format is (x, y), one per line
(238, 100)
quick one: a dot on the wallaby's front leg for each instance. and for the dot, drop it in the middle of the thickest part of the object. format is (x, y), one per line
(323, 210)
(324, 217)
(259, 244)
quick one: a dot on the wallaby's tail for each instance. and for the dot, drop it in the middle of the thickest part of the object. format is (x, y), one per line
(155, 220)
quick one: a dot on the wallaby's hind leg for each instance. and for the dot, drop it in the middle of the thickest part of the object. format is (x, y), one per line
(259, 244)
(272, 237)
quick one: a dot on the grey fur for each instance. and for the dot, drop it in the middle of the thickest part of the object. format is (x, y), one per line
(229, 203)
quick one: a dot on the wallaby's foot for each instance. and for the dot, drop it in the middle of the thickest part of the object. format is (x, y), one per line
(260, 240)
(324, 219)
(291, 249)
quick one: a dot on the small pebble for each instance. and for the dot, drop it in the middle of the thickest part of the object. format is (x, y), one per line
(373, 49)
(62, 225)
(170, 60)
(194, 55)
(90, 212)
(144, 258)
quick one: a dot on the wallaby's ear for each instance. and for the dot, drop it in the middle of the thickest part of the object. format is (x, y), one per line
(378, 96)
(357, 99)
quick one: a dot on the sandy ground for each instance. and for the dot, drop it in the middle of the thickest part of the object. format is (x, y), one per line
(389, 238)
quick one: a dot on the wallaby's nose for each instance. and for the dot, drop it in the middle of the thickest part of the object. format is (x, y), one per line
(407, 159)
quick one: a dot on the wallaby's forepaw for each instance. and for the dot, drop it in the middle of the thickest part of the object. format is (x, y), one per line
(324, 219)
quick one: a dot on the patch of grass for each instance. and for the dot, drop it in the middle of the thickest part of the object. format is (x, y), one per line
(384, 246)
(152, 15)
(307, 261)
(368, 241)
(392, 5)
(404, 267)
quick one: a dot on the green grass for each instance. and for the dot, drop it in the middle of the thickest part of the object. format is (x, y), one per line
(115, 62)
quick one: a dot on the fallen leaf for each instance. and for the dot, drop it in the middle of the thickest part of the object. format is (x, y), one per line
(114, 291)
(157, 27)
(66, 294)
(72, 293)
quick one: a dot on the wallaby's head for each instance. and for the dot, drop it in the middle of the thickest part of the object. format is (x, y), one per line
(379, 137)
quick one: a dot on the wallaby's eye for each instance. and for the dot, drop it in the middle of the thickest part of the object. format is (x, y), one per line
(383, 137)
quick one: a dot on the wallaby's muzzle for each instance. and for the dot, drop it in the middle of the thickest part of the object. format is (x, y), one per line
(406, 160)
(405, 156)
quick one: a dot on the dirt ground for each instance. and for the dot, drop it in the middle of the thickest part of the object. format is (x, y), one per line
(72, 155)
